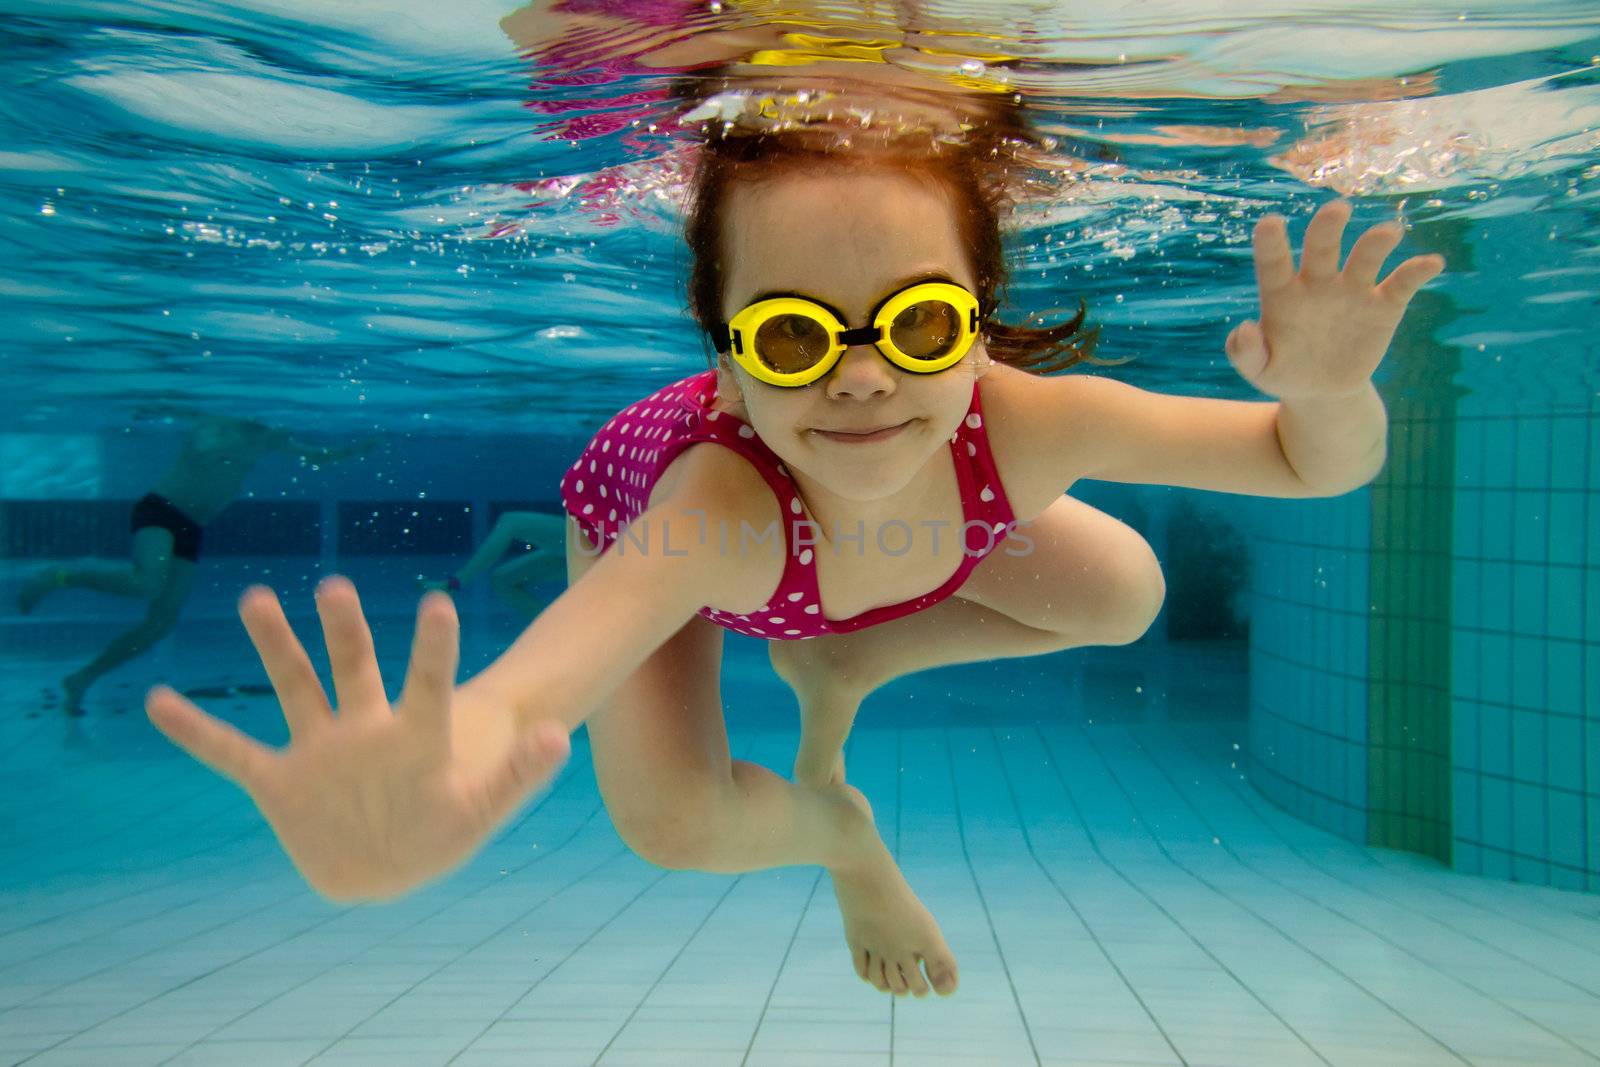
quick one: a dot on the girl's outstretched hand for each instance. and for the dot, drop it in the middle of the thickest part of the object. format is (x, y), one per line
(1324, 331)
(373, 800)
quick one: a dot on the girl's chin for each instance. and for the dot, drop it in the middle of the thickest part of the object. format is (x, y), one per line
(862, 476)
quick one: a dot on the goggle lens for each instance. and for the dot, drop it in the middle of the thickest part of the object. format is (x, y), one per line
(928, 329)
(791, 343)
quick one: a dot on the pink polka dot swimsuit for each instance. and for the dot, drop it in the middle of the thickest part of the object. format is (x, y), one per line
(609, 486)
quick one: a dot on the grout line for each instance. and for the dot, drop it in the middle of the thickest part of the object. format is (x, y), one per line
(1114, 868)
(977, 884)
(1368, 929)
(1285, 934)
(194, 978)
(1254, 808)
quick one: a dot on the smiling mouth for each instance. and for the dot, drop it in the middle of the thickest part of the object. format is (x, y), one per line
(858, 438)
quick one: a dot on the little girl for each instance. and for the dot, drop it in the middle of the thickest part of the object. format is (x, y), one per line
(871, 477)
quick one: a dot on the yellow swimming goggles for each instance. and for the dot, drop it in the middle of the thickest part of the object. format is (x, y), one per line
(792, 340)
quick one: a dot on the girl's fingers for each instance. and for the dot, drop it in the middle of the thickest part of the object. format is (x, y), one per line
(1324, 235)
(539, 754)
(1370, 250)
(1404, 281)
(357, 685)
(216, 744)
(1320, 259)
(1274, 261)
(1246, 349)
(431, 677)
(305, 705)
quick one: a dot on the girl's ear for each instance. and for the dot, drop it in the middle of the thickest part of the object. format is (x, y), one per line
(729, 396)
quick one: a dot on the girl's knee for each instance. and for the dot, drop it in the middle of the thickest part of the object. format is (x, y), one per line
(680, 834)
(1140, 590)
(830, 667)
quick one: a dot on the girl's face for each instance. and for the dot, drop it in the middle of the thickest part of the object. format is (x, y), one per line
(849, 240)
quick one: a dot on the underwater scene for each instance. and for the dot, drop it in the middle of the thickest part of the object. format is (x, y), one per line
(604, 532)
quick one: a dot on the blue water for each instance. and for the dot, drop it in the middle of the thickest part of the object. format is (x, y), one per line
(397, 221)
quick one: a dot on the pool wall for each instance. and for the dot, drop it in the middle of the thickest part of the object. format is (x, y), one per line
(1470, 630)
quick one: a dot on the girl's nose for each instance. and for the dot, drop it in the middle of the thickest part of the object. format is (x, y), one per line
(861, 372)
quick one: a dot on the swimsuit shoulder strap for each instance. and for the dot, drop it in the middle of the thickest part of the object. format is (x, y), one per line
(971, 447)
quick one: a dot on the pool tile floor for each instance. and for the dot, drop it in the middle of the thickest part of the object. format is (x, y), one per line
(1117, 894)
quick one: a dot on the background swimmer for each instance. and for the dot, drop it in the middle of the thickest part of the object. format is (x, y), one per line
(218, 453)
(544, 536)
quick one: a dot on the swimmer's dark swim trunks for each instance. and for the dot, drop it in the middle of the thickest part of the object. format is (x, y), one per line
(156, 510)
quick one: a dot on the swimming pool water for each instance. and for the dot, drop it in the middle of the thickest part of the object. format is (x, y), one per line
(1341, 805)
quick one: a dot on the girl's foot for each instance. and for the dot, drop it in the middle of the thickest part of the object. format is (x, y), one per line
(35, 588)
(891, 935)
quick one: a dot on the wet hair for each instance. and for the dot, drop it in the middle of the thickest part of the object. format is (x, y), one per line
(980, 177)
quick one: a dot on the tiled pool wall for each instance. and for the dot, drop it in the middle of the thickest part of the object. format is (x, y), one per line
(1308, 657)
(1425, 653)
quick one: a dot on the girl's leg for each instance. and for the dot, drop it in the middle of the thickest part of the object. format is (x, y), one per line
(671, 784)
(679, 799)
(1088, 580)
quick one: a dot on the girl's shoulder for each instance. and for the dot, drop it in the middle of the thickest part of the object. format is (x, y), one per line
(725, 492)
(724, 482)
(1028, 419)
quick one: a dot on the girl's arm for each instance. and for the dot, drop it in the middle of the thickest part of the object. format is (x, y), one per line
(370, 799)
(625, 606)
(1322, 333)
(1090, 427)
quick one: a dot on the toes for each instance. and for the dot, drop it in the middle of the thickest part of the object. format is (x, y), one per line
(944, 978)
(880, 974)
(858, 957)
(872, 972)
(919, 987)
(897, 978)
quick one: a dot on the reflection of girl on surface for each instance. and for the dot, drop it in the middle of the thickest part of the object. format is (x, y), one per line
(545, 535)
(863, 379)
(218, 453)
